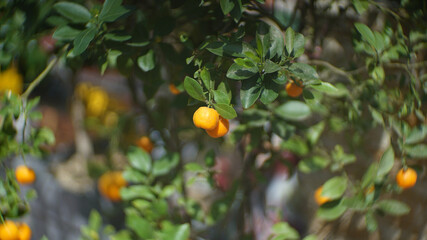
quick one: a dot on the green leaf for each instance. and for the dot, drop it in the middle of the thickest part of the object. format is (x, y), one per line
(234, 49)
(417, 151)
(366, 33)
(226, 111)
(280, 127)
(250, 91)
(221, 97)
(371, 222)
(134, 176)
(331, 210)
(379, 41)
(393, 207)
(314, 132)
(417, 134)
(270, 91)
(334, 188)
(111, 10)
(311, 164)
(194, 167)
(263, 39)
(276, 42)
(299, 45)
(238, 72)
(65, 33)
(325, 87)
(139, 159)
(83, 39)
(140, 226)
(386, 163)
(226, 6)
(303, 71)
(289, 40)
(271, 67)
(146, 62)
(136, 191)
(236, 13)
(293, 110)
(296, 145)
(165, 164)
(181, 232)
(310, 237)
(95, 220)
(370, 175)
(284, 230)
(360, 6)
(206, 78)
(74, 12)
(210, 158)
(194, 89)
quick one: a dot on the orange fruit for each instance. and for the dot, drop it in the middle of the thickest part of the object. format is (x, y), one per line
(146, 144)
(293, 89)
(319, 198)
(110, 183)
(173, 89)
(25, 175)
(8, 231)
(221, 129)
(206, 118)
(24, 232)
(11, 80)
(406, 179)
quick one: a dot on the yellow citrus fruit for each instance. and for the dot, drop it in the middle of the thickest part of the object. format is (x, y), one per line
(319, 198)
(406, 179)
(110, 183)
(83, 90)
(293, 89)
(97, 102)
(221, 129)
(146, 144)
(173, 89)
(8, 231)
(11, 80)
(206, 118)
(25, 175)
(24, 232)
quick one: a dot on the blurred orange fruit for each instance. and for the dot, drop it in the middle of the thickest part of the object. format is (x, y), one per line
(145, 143)
(25, 175)
(110, 183)
(319, 198)
(221, 129)
(11, 80)
(173, 89)
(293, 89)
(206, 118)
(97, 102)
(406, 178)
(8, 231)
(24, 231)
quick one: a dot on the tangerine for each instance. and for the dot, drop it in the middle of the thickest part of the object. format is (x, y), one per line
(221, 129)
(8, 231)
(25, 175)
(406, 178)
(319, 198)
(24, 232)
(206, 118)
(146, 144)
(293, 89)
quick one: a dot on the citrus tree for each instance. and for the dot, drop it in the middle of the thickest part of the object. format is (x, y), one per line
(248, 77)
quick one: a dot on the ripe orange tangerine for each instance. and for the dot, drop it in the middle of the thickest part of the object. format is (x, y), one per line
(293, 89)
(110, 183)
(221, 129)
(8, 231)
(319, 198)
(24, 231)
(25, 175)
(406, 179)
(206, 118)
(173, 89)
(146, 144)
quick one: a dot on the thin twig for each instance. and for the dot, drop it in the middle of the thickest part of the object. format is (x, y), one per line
(39, 78)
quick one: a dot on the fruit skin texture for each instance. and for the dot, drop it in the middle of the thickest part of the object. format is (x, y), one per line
(8, 231)
(146, 144)
(206, 118)
(110, 183)
(293, 89)
(406, 179)
(25, 175)
(24, 232)
(221, 129)
(319, 198)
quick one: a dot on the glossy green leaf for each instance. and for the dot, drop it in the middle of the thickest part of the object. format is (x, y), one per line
(334, 188)
(226, 111)
(270, 91)
(386, 163)
(416, 151)
(206, 78)
(276, 42)
(111, 10)
(83, 39)
(271, 67)
(238, 72)
(299, 45)
(141, 226)
(289, 40)
(194, 89)
(136, 191)
(366, 33)
(221, 97)
(139, 159)
(314, 132)
(250, 91)
(293, 110)
(65, 33)
(303, 71)
(393, 207)
(74, 12)
(234, 49)
(331, 210)
(325, 87)
(146, 62)
(165, 164)
(285, 231)
(371, 222)
(226, 6)
(417, 134)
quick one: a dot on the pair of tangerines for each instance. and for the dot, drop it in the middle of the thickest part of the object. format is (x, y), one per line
(404, 179)
(209, 119)
(14, 231)
(110, 183)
